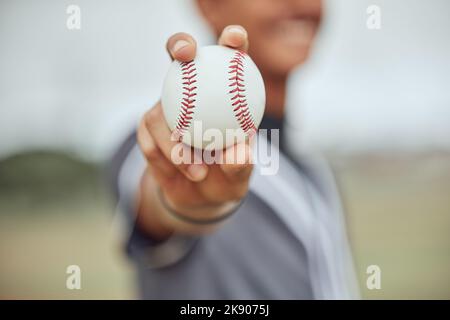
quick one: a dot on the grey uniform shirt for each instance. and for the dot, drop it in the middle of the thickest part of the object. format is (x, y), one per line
(286, 241)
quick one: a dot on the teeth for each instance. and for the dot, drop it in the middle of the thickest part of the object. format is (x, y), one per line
(296, 31)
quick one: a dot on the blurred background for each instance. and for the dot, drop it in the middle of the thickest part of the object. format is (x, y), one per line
(375, 102)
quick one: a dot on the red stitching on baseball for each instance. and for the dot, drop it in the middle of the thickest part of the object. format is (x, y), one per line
(237, 90)
(188, 73)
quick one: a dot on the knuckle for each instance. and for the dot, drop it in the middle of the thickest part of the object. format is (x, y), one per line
(150, 152)
(153, 114)
(239, 172)
(238, 169)
(152, 117)
(239, 192)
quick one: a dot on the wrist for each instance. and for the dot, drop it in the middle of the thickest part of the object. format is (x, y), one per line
(208, 216)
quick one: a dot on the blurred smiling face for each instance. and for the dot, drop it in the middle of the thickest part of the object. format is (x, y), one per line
(281, 32)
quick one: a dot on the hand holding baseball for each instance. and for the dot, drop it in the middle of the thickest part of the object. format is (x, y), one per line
(196, 190)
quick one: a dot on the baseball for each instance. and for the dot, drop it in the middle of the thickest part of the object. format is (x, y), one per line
(217, 95)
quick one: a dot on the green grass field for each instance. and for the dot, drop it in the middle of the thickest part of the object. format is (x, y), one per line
(55, 211)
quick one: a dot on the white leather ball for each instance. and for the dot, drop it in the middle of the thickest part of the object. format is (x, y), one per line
(220, 89)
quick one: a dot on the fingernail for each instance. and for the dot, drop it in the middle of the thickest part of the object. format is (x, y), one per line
(179, 45)
(197, 172)
(237, 29)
